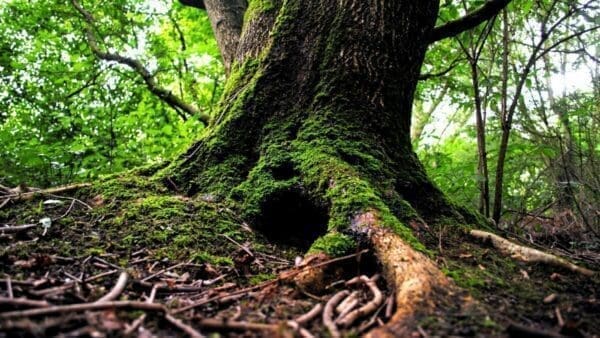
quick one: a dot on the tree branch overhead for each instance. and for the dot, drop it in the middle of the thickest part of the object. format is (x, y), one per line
(469, 21)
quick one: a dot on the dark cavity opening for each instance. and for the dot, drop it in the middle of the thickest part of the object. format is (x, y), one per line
(290, 217)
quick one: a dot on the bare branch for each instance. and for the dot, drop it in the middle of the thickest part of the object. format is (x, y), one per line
(469, 21)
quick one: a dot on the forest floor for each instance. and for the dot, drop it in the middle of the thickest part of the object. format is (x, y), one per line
(125, 263)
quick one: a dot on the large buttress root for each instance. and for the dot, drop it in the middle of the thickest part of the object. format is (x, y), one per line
(527, 254)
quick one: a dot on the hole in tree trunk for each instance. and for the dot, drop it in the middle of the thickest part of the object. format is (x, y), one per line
(290, 217)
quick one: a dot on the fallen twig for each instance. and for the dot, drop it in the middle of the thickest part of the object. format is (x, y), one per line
(282, 276)
(116, 290)
(185, 328)
(389, 306)
(9, 288)
(16, 228)
(68, 285)
(23, 302)
(235, 325)
(166, 288)
(83, 307)
(136, 323)
(103, 261)
(328, 313)
(162, 271)
(26, 196)
(3, 203)
(559, 317)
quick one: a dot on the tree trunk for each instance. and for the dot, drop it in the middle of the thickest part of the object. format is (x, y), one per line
(482, 166)
(312, 138)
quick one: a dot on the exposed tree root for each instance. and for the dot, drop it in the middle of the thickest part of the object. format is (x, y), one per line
(329, 310)
(527, 254)
(419, 285)
(370, 307)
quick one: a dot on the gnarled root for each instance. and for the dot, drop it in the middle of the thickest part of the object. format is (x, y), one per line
(527, 254)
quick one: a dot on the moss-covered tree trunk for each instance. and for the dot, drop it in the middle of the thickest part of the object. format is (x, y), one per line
(312, 140)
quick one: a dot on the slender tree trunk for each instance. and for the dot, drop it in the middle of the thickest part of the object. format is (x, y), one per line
(482, 167)
(564, 167)
(506, 122)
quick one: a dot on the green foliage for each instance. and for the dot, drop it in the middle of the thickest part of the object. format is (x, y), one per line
(548, 123)
(68, 116)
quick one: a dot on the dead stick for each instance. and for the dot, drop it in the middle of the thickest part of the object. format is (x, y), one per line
(23, 302)
(68, 285)
(328, 313)
(238, 245)
(140, 320)
(165, 288)
(17, 228)
(9, 288)
(30, 195)
(116, 290)
(236, 293)
(235, 325)
(185, 328)
(162, 271)
(559, 318)
(103, 261)
(389, 307)
(101, 275)
(83, 307)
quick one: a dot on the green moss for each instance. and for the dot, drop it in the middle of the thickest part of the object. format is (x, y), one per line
(205, 257)
(256, 7)
(348, 189)
(333, 244)
(94, 251)
(260, 278)
(490, 323)
(467, 278)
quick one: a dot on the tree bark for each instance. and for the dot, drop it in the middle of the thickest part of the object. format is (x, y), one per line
(226, 19)
(312, 137)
